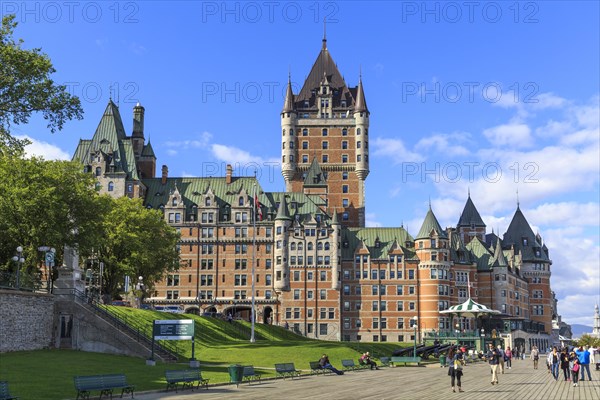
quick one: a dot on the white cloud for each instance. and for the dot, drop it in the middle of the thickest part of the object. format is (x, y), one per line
(567, 214)
(445, 143)
(371, 220)
(202, 141)
(395, 149)
(235, 155)
(515, 135)
(44, 149)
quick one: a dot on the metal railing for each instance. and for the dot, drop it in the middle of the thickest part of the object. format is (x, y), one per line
(133, 328)
(8, 280)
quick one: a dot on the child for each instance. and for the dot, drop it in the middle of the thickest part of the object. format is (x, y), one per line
(575, 374)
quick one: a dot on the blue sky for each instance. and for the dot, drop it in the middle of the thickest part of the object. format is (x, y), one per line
(491, 97)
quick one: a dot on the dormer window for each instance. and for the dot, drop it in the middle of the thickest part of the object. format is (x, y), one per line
(525, 241)
(207, 202)
(343, 103)
(241, 201)
(306, 104)
(111, 186)
(98, 171)
(174, 202)
(377, 243)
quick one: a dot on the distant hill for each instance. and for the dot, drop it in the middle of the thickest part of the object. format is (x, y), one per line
(579, 329)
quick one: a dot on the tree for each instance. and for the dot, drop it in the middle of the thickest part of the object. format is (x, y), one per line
(136, 242)
(46, 203)
(588, 340)
(26, 87)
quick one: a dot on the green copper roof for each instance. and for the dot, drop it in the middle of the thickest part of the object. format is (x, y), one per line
(470, 215)
(458, 251)
(431, 223)
(82, 149)
(315, 176)
(499, 259)
(386, 236)
(481, 255)
(283, 212)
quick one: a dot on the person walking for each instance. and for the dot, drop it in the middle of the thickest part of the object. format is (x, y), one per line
(575, 371)
(508, 357)
(492, 357)
(553, 362)
(501, 359)
(584, 361)
(564, 364)
(458, 361)
(535, 356)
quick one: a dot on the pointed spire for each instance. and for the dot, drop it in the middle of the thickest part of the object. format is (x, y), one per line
(283, 212)
(324, 33)
(288, 104)
(361, 104)
(470, 215)
(334, 219)
(431, 224)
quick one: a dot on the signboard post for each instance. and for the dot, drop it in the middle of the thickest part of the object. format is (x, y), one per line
(174, 329)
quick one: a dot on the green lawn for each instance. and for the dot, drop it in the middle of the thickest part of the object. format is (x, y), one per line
(48, 374)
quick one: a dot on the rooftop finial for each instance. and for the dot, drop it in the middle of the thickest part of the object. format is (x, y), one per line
(324, 33)
(518, 198)
(430, 202)
(469, 191)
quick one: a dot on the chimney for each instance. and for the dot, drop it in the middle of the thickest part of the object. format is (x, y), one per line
(165, 174)
(138, 121)
(228, 174)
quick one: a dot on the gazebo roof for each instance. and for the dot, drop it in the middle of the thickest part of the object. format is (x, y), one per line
(469, 307)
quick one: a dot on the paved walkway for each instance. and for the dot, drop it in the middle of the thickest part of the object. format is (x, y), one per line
(431, 382)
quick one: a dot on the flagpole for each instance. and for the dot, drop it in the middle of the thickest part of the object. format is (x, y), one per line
(252, 317)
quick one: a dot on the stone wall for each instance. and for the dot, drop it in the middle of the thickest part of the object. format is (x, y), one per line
(26, 320)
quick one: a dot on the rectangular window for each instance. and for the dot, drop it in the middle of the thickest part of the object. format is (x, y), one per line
(323, 294)
(296, 294)
(323, 329)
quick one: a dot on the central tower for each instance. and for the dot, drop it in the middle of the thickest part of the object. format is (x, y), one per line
(325, 140)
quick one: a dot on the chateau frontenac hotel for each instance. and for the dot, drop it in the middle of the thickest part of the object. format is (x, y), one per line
(317, 268)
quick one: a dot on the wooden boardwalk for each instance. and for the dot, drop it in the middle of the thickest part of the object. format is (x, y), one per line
(431, 382)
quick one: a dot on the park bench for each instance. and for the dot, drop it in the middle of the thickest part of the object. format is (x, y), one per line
(349, 365)
(385, 361)
(4, 392)
(315, 368)
(103, 383)
(405, 360)
(250, 374)
(187, 377)
(286, 369)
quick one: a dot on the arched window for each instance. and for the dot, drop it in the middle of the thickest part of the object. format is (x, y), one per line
(300, 246)
(174, 202)
(309, 246)
(207, 201)
(357, 131)
(283, 132)
(319, 246)
(98, 186)
(111, 186)
(98, 171)
(292, 246)
(326, 245)
(241, 201)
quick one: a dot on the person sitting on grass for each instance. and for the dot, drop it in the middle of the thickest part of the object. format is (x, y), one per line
(325, 364)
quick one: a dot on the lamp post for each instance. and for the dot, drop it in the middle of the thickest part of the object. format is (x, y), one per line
(414, 321)
(457, 326)
(19, 260)
(482, 338)
(140, 287)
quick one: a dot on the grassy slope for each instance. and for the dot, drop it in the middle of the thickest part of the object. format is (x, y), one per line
(48, 374)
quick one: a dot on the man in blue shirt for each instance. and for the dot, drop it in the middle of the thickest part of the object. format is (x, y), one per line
(492, 357)
(584, 361)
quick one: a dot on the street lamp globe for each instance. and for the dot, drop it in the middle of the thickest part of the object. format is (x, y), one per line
(19, 249)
